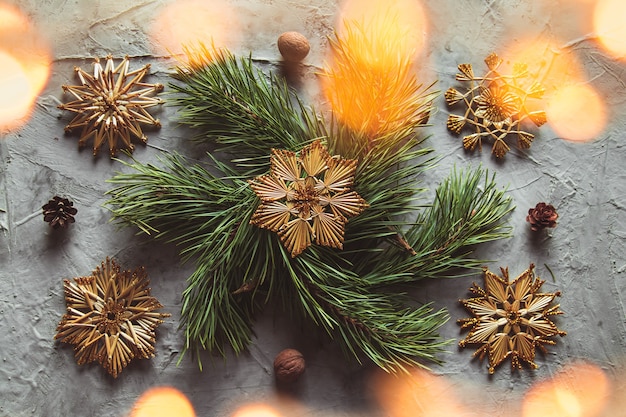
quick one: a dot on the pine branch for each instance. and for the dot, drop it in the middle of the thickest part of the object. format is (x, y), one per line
(365, 322)
(378, 325)
(155, 199)
(231, 103)
(377, 108)
(207, 213)
(468, 210)
(212, 316)
(207, 216)
(370, 84)
(388, 178)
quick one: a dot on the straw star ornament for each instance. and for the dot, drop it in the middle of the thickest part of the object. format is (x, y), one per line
(110, 105)
(511, 319)
(496, 106)
(110, 317)
(307, 197)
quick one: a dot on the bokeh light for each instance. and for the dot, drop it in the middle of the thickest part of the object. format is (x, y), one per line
(12, 18)
(609, 24)
(574, 109)
(24, 66)
(577, 113)
(256, 410)
(418, 394)
(370, 77)
(580, 390)
(162, 402)
(547, 62)
(15, 91)
(187, 23)
(403, 21)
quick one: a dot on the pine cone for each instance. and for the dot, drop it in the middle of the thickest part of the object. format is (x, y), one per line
(542, 216)
(59, 212)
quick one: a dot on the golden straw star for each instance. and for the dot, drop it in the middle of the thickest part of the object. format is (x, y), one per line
(110, 317)
(511, 319)
(307, 197)
(110, 105)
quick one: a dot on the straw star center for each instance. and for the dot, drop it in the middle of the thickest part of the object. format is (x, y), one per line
(496, 105)
(305, 197)
(111, 316)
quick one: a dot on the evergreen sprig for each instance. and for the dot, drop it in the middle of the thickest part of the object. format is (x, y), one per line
(231, 103)
(469, 209)
(209, 219)
(353, 295)
(207, 216)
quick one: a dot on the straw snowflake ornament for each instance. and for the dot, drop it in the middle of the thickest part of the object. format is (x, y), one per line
(511, 319)
(496, 106)
(307, 197)
(110, 105)
(110, 317)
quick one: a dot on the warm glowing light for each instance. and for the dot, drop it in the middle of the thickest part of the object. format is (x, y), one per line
(608, 22)
(256, 410)
(547, 62)
(567, 402)
(195, 22)
(576, 113)
(418, 394)
(574, 110)
(369, 78)
(11, 18)
(162, 402)
(408, 30)
(24, 66)
(581, 390)
(15, 91)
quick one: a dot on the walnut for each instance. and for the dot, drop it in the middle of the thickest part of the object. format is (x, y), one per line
(293, 46)
(288, 365)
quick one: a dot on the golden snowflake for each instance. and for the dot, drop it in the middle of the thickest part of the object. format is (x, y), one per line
(111, 104)
(511, 319)
(307, 197)
(110, 317)
(496, 106)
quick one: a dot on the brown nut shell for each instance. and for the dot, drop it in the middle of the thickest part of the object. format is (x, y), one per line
(288, 365)
(293, 46)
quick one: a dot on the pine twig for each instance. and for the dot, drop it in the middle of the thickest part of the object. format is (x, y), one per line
(468, 210)
(232, 104)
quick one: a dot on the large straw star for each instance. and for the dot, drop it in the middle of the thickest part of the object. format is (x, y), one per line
(511, 319)
(110, 105)
(110, 317)
(307, 197)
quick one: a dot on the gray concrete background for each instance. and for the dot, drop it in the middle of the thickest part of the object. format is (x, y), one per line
(585, 182)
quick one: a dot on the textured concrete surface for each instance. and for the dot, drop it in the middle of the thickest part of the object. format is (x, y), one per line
(584, 181)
